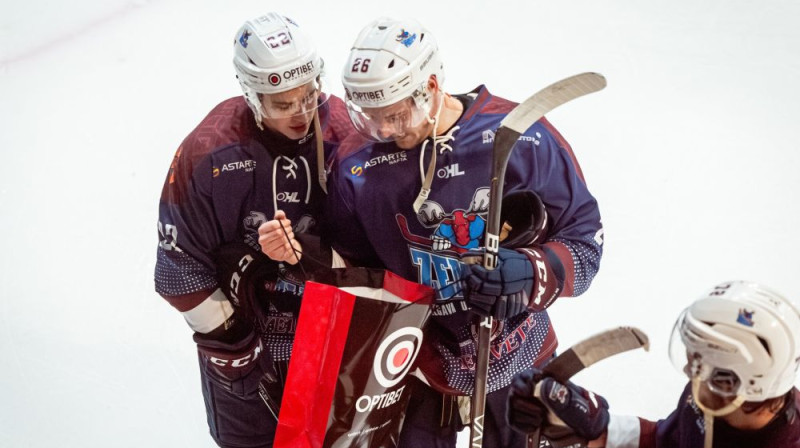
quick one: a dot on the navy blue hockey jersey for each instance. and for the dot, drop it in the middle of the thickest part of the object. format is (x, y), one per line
(684, 428)
(227, 178)
(372, 223)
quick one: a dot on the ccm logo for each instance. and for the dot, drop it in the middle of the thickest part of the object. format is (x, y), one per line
(238, 362)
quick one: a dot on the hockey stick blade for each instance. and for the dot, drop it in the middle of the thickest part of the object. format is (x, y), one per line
(594, 349)
(522, 117)
(540, 103)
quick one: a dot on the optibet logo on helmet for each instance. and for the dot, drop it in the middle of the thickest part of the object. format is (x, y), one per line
(273, 55)
(389, 62)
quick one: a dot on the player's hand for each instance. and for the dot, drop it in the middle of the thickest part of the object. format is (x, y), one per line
(502, 292)
(536, 401)
(235, 360)
(277, 240)
(499, 307)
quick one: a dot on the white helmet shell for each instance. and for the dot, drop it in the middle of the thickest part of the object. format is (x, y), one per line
(273, 55)
(391, 60)
(744, 328)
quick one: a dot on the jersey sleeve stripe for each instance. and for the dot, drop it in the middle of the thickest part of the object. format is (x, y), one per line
(623, 432)
(564, 254)
(210, 313)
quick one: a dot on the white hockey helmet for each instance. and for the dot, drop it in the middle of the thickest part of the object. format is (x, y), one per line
(390, 61)
(272, 55)
(742, 339)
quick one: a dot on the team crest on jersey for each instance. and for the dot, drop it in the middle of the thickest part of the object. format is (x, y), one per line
(406, 38)
(455, 231)
(436, 254)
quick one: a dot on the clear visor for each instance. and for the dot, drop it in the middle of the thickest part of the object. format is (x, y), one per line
(388, 123)
(302, 100)
(686, 355)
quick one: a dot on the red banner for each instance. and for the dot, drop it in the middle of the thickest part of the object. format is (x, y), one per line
(358, 335)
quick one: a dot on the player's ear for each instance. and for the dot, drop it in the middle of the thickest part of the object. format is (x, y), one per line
(433, 83)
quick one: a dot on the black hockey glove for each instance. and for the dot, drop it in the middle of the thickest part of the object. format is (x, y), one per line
(502, 292)
(234, 358)
(242, 273)
(525, 214)
(537, 402)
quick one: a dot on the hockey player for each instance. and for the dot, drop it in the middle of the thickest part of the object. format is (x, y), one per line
(410, 195)
(253, 161)
(740, 347)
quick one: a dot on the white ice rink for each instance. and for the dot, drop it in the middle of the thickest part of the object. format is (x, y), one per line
(691, 152)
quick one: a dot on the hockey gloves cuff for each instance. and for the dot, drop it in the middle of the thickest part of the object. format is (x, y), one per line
(236, 365)
(241, 272)
(536, 402)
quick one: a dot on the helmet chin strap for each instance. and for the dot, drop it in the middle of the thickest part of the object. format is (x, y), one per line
(428, 177)
(321, 177)
(709, 414)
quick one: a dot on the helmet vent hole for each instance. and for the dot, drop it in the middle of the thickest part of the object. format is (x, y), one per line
(381, 27)
(764, 343)
(391, 64)
(421, 37)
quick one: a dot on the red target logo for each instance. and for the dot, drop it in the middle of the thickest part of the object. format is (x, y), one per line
(395, 355)
(274, 79)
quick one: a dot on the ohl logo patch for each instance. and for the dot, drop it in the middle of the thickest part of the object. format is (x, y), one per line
(396, 355)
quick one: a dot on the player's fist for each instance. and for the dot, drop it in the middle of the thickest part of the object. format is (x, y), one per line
(277, 240)
(502, 292)
(568, 404)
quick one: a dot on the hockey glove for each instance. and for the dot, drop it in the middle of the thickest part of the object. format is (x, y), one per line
(241, 272)
(502, 292)
(235, 360)
(536, 402)
(525, 214)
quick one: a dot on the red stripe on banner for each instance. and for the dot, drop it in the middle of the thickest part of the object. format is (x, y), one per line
(322, 329)
(409, 291)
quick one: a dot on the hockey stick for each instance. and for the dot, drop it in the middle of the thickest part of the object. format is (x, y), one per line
(580, 356)
(511, 127)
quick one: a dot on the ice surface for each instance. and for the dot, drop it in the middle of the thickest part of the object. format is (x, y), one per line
(690, 152)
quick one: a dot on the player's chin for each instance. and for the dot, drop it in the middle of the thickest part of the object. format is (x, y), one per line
(297, 131)
(711, 400)
(406, 141)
